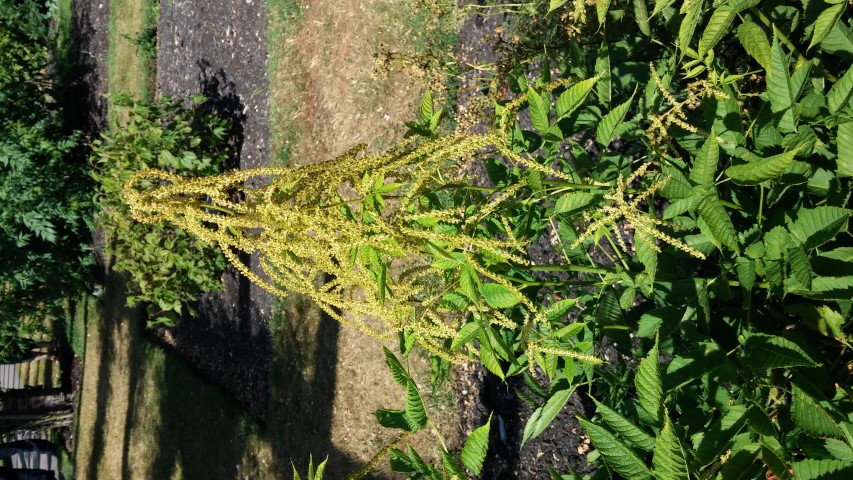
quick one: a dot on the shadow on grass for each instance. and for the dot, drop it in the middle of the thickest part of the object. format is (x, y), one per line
(304, 377)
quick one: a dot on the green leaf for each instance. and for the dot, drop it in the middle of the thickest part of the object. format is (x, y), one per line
(555, 4)
(574, 202)
(426, 108)
(468, 283)
(608, 125)
(617, 455)
(839, 95)
(540, 107)
(400, 462)
(763, 352)
(779, 86)
(545, 414)
(499, 296)
(745, 269)
(705, 164)
(641, 14)
(800, 267)
(754, 41)
(813, 469)
(397, 371)
(648, 383)
(808, 414)
(488, 357)
(574, 96)
(777, 467)
(392, 419)
(465, 334)
(602, 72)
(415, 409)
(688, 23)
(558, 309)
(824, 23)
(719, 222)
(474, 451)
(670, 460)
(713, 441)
(451, 467)
(768, 168)
(816, 226)
(601, 7)
(624, 428)
(844, 159)
(717, 26)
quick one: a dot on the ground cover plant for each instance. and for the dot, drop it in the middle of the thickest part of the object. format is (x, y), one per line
(702, 222)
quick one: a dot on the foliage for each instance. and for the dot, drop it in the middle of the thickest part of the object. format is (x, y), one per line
(166, 266)
(44, 189)
(691, 170)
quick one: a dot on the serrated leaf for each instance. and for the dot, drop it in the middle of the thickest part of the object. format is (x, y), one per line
(608, 125)
(762, 352)
(540, 107)
(574, 202)
(705, 164)
(717, 26)
(808, 414)
(574, 96)
(465, 335)
(618, 456)
(813, 469)
(713, 441)
(555, 4)
(777, 467)
(660, 5)
(400, 462)
(745, 269)
(800, 267)
(816, 226)
(641, 14)
(779, 85)
(647, 255)
(719, 222)
(474, 451)
(754, 41)
(669, 461)
(825, 22)
(450, 466)
(844, 159)
(601, 7)
(648, 383)
(401, 377)
(415, 409)
(389, 418)
(768, 168)
(624, 427)
(469, 282)
(488, 357)
(426, 108)
(839, 95)
(499, 296)
(544, 415)
(603, 73)
(688, 25)
(558, 309)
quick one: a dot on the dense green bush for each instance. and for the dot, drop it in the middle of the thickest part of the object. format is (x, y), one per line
(45, 191)
(165, 265)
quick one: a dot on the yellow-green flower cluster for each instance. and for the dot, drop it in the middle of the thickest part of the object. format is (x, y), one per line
(373, 259)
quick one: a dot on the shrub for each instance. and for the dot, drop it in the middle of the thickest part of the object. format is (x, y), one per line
(166, 267)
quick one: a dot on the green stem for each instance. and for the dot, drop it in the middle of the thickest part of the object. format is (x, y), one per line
(569, 268)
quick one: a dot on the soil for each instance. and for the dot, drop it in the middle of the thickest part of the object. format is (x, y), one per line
(218, 49)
